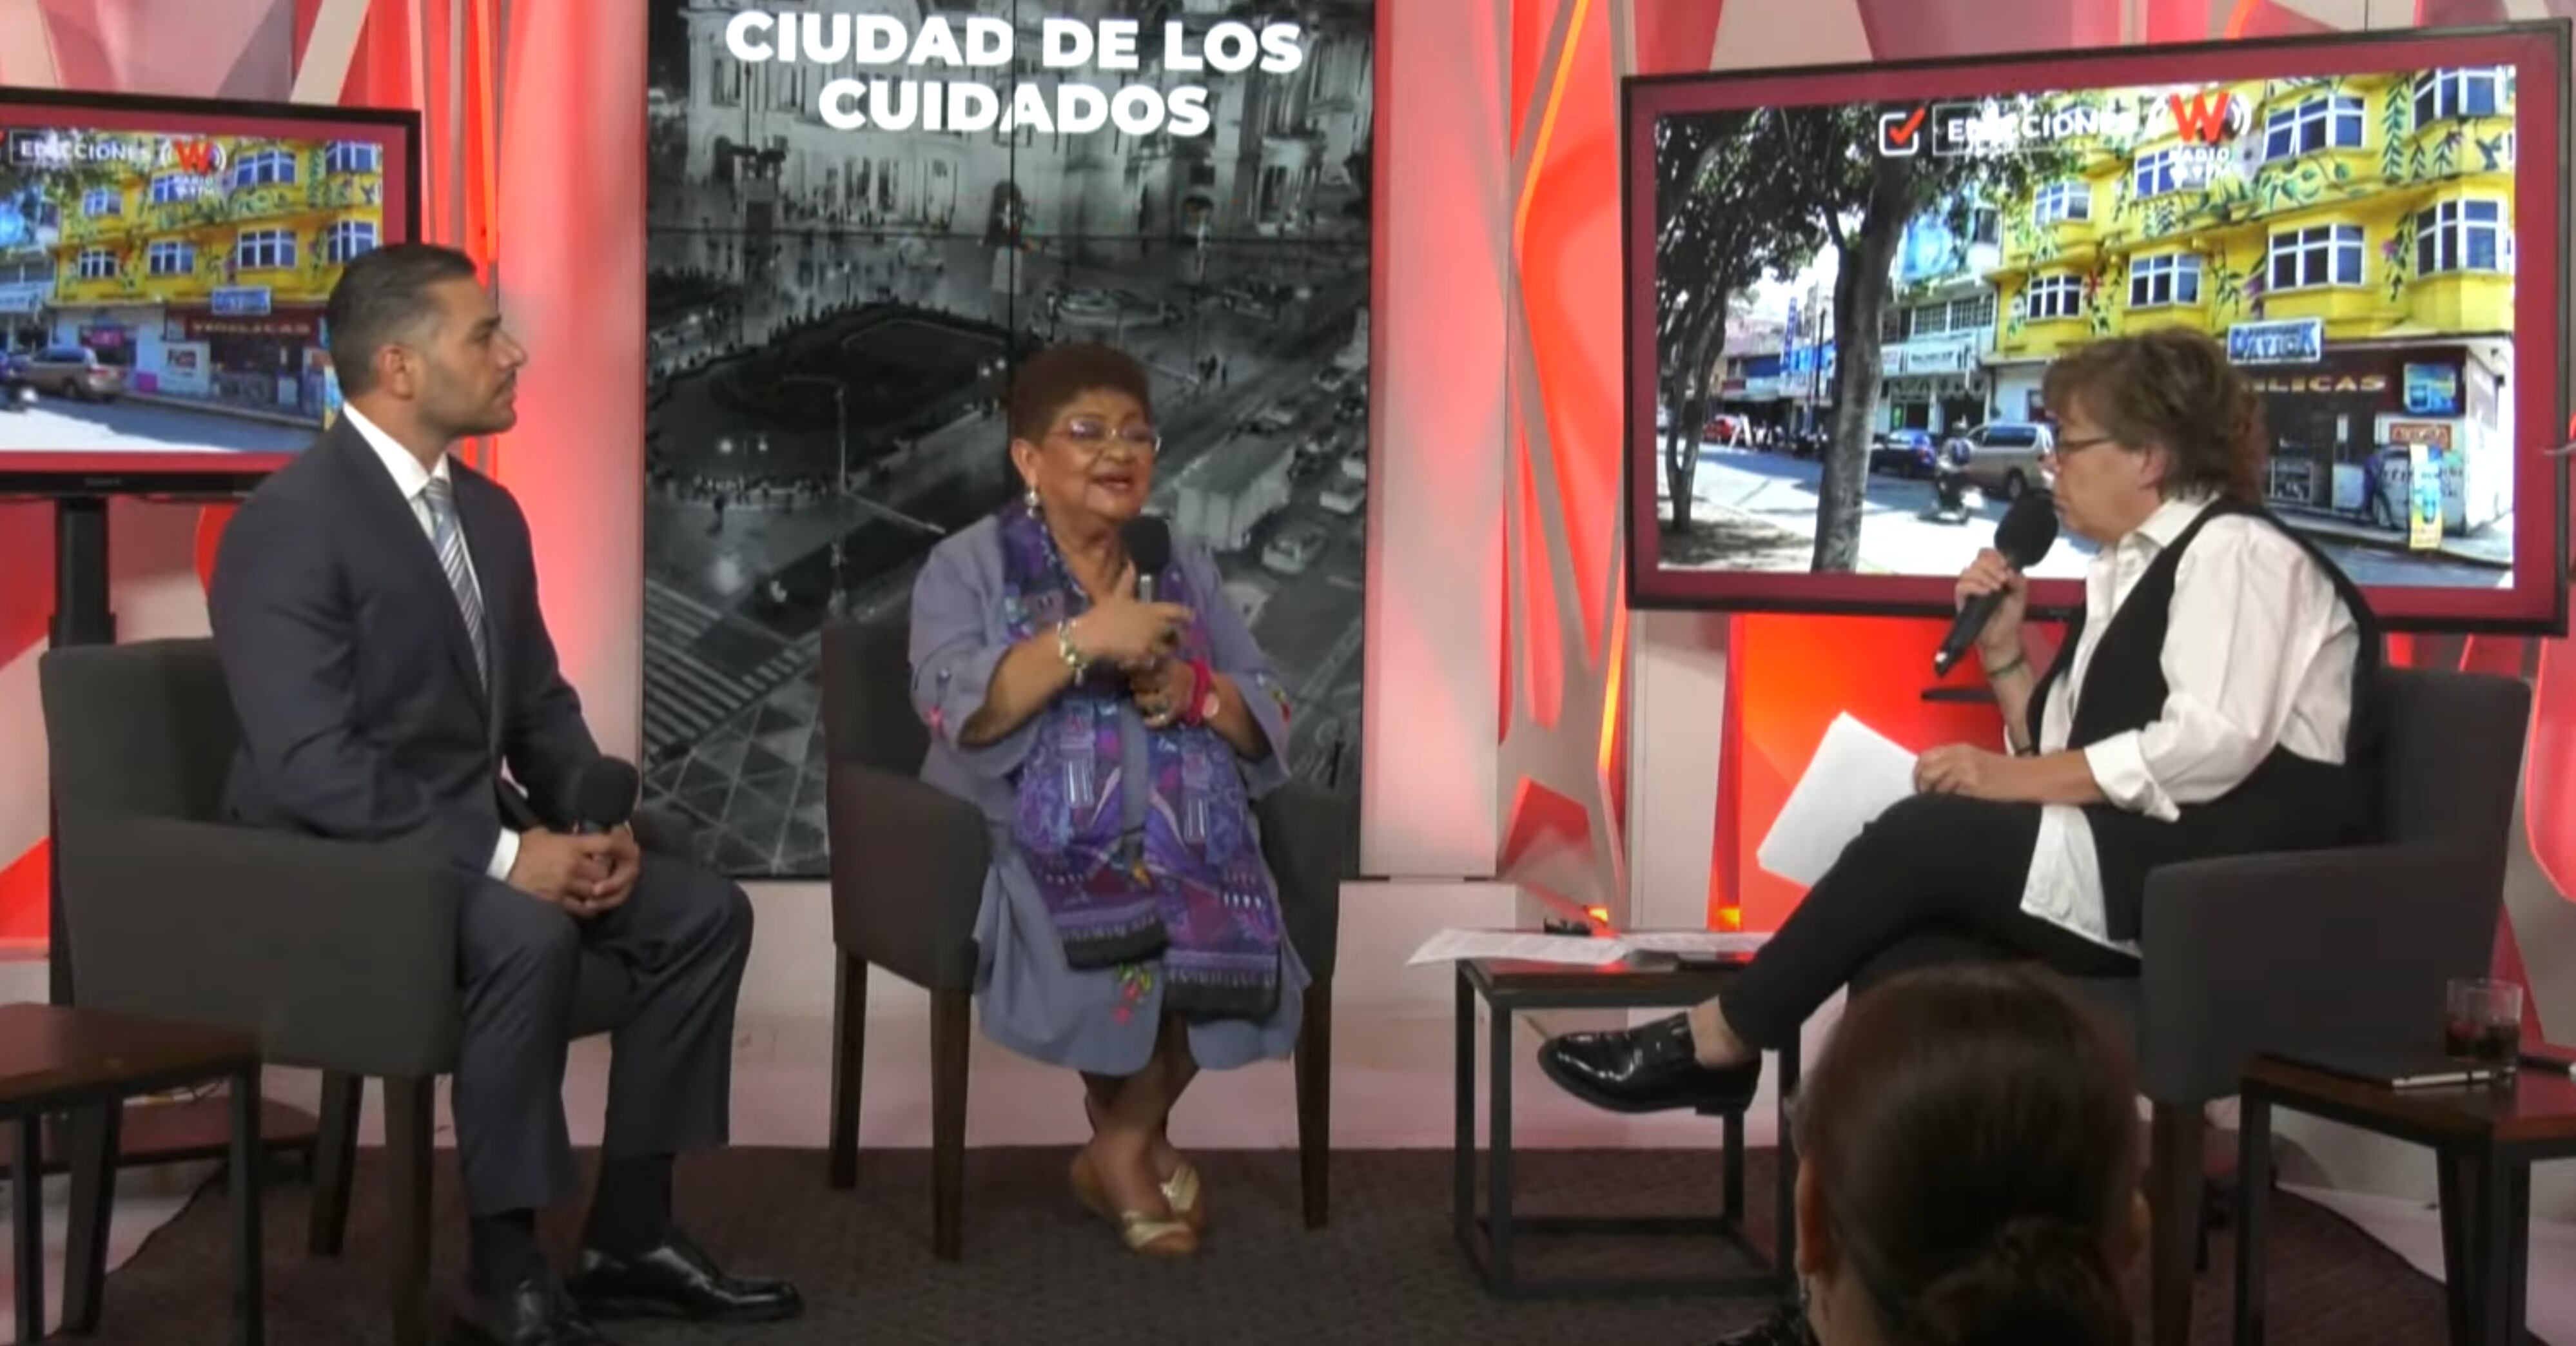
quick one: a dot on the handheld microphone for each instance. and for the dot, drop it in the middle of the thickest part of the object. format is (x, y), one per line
(1148, 540)
(2028, 530)
(603, 795)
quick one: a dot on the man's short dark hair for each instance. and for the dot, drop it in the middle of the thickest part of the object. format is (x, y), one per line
(380, 297)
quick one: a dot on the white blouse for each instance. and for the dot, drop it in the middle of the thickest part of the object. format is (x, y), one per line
(2258, 652)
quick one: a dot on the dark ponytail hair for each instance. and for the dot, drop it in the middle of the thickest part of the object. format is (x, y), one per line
(2037, 1280)
(1973, 1133)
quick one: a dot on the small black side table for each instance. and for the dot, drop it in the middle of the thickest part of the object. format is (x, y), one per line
(55, 1059)
(2484, 1141)
(1512, 988)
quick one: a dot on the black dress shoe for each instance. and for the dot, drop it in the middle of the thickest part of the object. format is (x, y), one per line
(1648, 1068)
(534, 1313)
(677, 1280)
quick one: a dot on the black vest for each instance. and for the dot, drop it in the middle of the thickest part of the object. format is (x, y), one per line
(2289, 803)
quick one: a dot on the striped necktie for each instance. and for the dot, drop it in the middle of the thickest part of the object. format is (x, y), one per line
(450, 541)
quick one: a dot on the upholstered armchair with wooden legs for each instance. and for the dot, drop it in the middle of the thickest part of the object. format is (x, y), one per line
(341, 957)
(908, 866)
(2338, 950)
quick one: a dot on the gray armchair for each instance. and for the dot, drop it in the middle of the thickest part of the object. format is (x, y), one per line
(2315, 951)
(908, 866)
(340, 956)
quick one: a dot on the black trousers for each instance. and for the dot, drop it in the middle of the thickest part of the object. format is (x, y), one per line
(683, 935)
(1934, 878)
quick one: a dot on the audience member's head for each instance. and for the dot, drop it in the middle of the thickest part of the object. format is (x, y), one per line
(1970, 1165)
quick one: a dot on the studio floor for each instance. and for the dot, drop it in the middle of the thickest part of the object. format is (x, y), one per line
(1391, 1092)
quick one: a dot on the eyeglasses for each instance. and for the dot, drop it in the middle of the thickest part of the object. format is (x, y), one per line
(1093, 435)
(2063, 447)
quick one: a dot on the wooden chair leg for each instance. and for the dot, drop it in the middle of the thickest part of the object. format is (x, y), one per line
(2173, 1196)
(93, 1201)
(409, 1145)
(951, 1023)
(1315, 1103)
(335, 1158)
(849, 1052)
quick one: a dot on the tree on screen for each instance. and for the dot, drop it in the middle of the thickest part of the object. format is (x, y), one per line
(1831, 176)
(1709, 251)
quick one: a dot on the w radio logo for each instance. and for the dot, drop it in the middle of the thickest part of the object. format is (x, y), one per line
(2209, 117)
(196, 156)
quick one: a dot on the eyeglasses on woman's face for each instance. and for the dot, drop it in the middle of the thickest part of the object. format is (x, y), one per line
(1093, 435)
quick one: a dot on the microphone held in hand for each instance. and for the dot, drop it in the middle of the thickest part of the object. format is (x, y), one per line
(1148, 541)
(2028, 530)
(603, 795)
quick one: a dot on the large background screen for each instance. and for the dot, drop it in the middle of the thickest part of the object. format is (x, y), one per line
(1841, 279)
(859, 222)
(163, 269)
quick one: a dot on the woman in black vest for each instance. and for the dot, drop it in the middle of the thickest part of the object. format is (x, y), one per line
(2201, 704)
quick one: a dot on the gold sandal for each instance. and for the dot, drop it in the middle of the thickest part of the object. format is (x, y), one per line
(1188, 1197)
(1144, 1235)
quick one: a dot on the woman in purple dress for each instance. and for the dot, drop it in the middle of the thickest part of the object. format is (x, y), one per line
(1130, 930)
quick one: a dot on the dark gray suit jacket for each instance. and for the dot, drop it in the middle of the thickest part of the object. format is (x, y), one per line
(350, 668)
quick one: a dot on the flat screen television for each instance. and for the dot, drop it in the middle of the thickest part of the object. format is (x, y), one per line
(2375, 226)
(163, 268)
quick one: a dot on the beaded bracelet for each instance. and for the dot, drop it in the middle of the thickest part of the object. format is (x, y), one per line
(1074, 659)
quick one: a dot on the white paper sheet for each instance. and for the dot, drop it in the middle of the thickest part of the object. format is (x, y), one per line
(1856, 773)
(1450, 946)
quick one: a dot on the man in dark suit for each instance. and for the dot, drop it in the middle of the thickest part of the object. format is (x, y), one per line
(375, 607)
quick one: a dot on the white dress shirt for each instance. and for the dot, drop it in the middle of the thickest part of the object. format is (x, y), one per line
(412, 480)
(2258, 652)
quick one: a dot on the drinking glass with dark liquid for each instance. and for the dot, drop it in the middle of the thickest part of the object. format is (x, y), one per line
(2484, 1024)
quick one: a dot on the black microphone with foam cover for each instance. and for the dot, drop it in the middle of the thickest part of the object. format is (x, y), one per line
(1148, 541)
(2028, 530)
(603, 794)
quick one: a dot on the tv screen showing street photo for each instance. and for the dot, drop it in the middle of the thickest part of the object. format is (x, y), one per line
(163, 269)
(1846, 287)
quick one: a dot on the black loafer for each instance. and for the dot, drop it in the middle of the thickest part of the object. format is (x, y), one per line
(1649, 1068)
(677, 1280)
(533, 1313)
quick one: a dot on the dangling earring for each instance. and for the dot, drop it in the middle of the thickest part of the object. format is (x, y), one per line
(1030, 497)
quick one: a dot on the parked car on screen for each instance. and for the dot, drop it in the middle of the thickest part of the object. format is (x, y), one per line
(1344, 497)
(1906, 453)
(1295, 547)
(1277, 418)
(75, 372)
(2003, 457)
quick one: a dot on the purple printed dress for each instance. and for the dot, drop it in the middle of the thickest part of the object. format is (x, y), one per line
(1100, 1021)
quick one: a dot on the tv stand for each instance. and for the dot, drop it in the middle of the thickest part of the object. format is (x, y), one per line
(153, 1133)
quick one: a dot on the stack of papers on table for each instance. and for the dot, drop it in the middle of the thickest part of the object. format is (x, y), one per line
(1450, 946)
